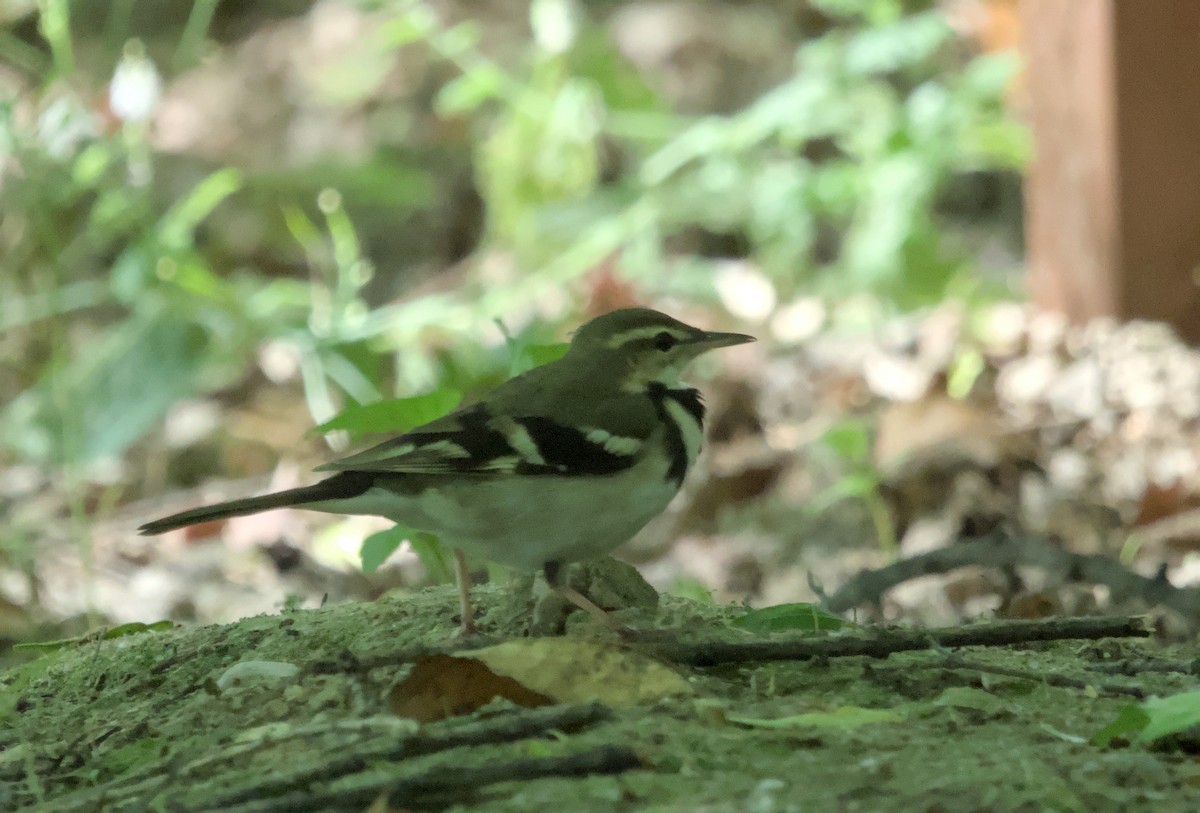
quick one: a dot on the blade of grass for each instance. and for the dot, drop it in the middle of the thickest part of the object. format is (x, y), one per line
(191, 41)
(55, 26)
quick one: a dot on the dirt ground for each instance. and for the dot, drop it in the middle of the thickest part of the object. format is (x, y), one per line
(158, 721)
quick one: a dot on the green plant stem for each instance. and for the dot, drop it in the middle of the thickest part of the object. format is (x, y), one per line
(191, 41)
(882, 520)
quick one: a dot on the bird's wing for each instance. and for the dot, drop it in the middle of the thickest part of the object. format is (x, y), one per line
(475, 441)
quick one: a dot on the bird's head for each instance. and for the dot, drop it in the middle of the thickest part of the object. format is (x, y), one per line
(644, 346)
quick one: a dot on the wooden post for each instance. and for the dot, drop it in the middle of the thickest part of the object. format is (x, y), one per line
(1113, 195)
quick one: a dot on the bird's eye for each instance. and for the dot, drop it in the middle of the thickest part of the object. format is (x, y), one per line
(664, 341)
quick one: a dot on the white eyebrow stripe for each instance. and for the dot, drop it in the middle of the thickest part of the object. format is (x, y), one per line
(519, 440)
(613, 444)
(646, 333)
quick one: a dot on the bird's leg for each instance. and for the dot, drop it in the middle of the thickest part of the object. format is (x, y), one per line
(463, 574)
(553, 572)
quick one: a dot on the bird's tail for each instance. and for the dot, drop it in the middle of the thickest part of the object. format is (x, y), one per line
(341, 486)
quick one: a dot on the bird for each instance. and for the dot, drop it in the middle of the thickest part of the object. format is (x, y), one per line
(560, 464)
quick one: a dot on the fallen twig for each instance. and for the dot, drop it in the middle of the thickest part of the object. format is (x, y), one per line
(1000, 550)
(882, 643)
(347, 752)
(444, 784)
(1191, 667)
(1049, 678)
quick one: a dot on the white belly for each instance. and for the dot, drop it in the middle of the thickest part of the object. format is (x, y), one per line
(524, 522)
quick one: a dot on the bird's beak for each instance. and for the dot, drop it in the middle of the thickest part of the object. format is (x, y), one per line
(712, 340)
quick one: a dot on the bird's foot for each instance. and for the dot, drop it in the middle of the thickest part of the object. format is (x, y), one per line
(591, 587)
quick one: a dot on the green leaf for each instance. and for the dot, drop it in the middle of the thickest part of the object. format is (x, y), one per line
(989, 76)
(418, 24)
(355, 367)
(1153, 719)
(116, 387)
(377, 547)
(1130, 721)
(180, 221)
(303, 230)
(467, 92)
(965, 370)
(54, 21)
(848, 439)
(432, 554)
(894, 47)
(692, 589)
(621, 86)
(399, 415)
(1170, 715)
(377, 181)
(854, 485)
(120, 631)
(460, 39)
(135, 627)
(844, 718)
(535, 355)
(862, 485)
(790, 618)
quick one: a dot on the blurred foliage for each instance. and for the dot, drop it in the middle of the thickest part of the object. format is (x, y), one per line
(849, 443)
(119, 295)
(119, 631)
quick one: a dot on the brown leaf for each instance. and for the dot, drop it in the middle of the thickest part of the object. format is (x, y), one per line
(938, 427)
(442, 686)
(1160, 502)
(572, 671)
(532, 673)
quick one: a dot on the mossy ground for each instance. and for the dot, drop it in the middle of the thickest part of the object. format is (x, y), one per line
(145, 717)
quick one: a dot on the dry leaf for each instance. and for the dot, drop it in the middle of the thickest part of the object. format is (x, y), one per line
(442, 686)
(938, 427)
(573, 671)
(532, 673)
